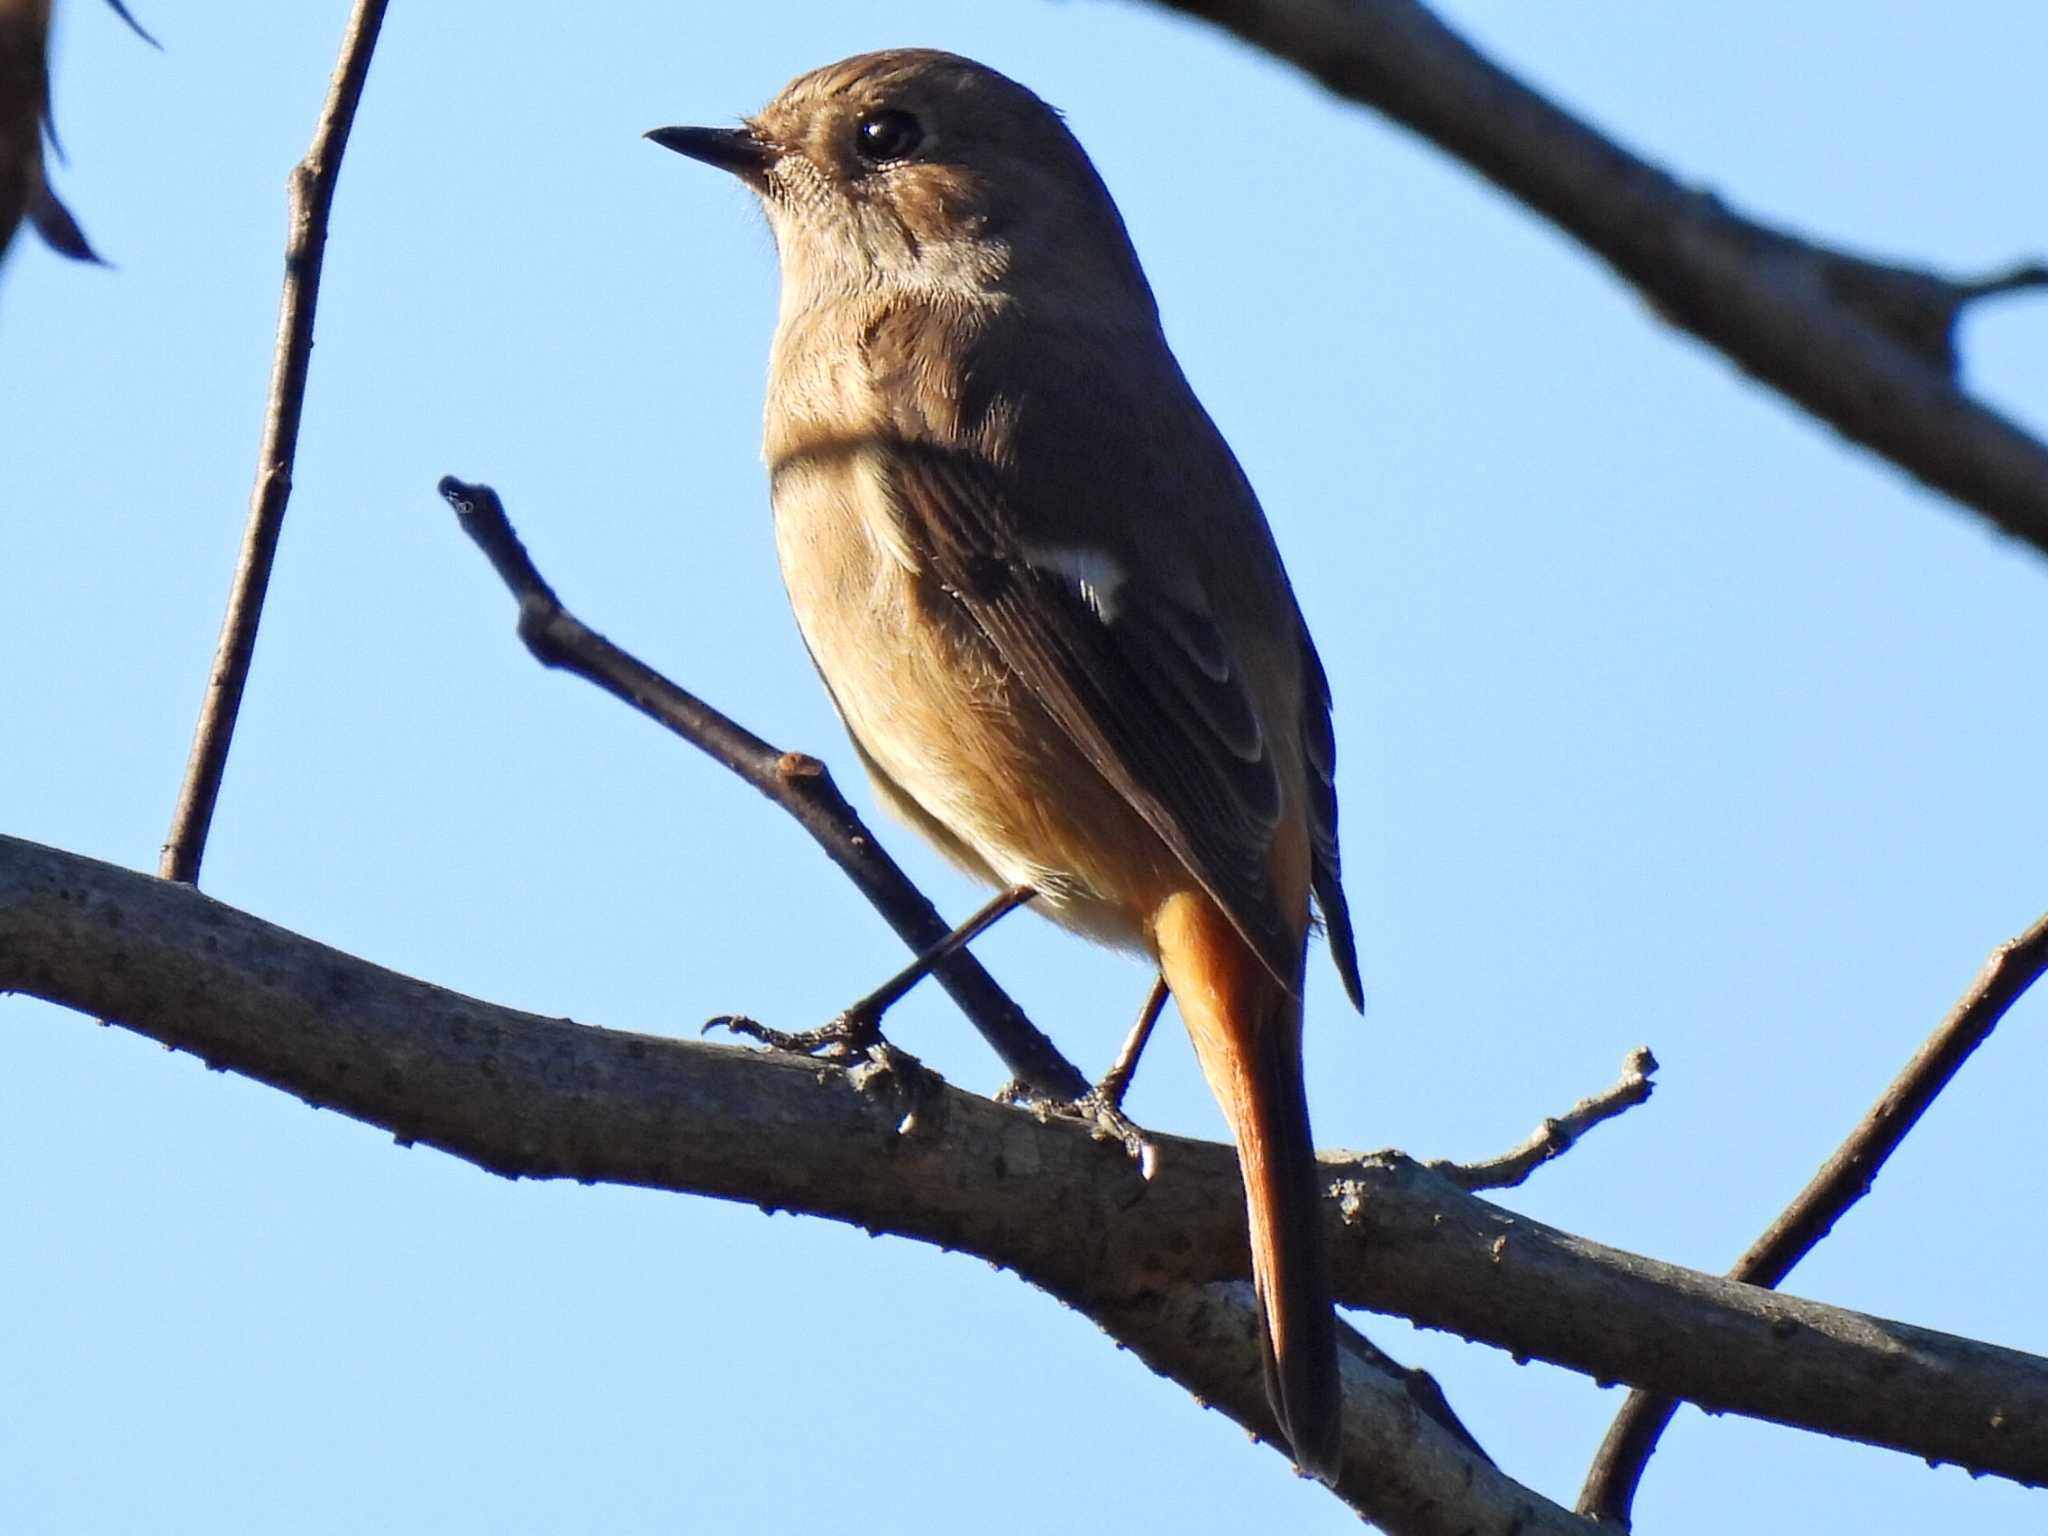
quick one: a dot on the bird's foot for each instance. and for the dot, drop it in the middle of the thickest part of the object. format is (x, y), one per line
(1098, 1109)
(1102, 1107)
(856, 1032)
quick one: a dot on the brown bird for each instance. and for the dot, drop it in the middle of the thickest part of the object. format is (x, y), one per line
(1042, 593)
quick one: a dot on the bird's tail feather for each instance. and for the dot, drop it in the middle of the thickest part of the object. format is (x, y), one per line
(1247, 1034)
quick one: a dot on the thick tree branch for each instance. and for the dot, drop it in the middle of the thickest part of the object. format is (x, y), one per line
(1866, 346)
(1416, 1246)
(890, 1150)
(798, 784)
(309, 198)
(1842, 1180)
(903, 1153)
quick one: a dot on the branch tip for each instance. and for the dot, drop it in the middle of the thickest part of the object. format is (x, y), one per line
(2013, 279)
(134, 26)
(1558, 1134)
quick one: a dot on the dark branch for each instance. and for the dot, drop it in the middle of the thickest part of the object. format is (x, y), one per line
(1844, 1179)
(1919, 309)
(1557, 1135)
(309, 197)
(799, 785)
(1865, 346)
(26, 123)
(536, 1097)
(899, 1152)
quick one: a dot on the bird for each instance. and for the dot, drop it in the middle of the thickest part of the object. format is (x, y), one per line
(1044, 598)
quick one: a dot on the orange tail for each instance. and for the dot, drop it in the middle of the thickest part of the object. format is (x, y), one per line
(1247, 1034)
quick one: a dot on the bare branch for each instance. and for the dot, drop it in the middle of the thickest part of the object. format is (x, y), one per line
(2013, 279)
(1844, 1179)
(899, 1152)
(895, 1151)
(309, 197)
(1865, 346)
(1557, 1135)
(799, 785)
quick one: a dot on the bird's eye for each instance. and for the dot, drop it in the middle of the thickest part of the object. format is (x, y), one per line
(887, 135)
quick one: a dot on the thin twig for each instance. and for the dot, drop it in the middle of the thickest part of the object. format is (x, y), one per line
(798, 784)
(1863, 345)
(1556, 1136)
(309, 197)
(2017, 278)
(1844, 1179)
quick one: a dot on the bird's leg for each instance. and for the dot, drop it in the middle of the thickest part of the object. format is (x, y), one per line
(863, 1020)
(860, 1026)
(1104, 1103)
(1116, 1082)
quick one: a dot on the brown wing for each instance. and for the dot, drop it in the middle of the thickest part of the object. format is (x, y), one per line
(1143, 685)
(1001, 435)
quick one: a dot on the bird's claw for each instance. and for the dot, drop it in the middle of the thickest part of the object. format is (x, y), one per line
(853, 1033)
(1104, 1111)
(1097, 1109)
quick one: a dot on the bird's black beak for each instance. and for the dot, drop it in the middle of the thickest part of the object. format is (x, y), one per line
(730, 149)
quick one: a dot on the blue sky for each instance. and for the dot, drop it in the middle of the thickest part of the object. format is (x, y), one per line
(1663, 718)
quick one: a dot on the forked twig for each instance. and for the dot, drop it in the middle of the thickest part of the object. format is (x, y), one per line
(1844, 1179)
(798, 784)
(1866, 346)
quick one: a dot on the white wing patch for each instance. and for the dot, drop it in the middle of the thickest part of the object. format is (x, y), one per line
(1095, 573)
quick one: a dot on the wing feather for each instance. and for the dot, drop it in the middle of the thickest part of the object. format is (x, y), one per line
(1181, 744)
(1112, 615)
